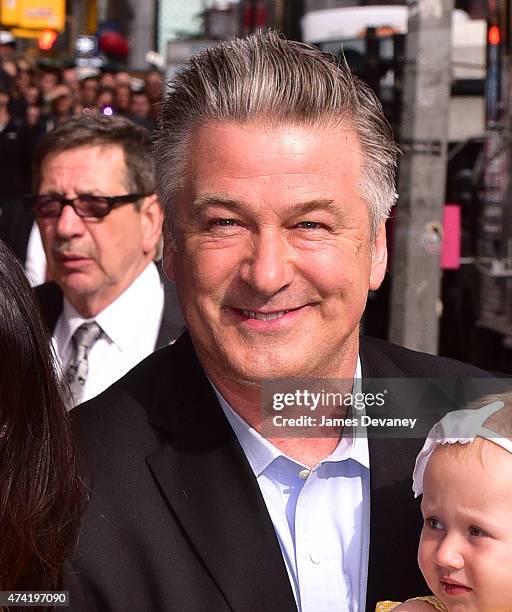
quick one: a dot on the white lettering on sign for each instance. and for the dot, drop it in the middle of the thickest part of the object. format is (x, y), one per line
(39, 13)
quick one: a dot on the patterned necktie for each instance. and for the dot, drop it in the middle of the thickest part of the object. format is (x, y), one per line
(76, 372)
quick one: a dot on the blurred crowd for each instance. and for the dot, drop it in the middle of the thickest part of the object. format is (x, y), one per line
(34, 99)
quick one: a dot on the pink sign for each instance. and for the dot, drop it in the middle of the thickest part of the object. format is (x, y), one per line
(450, 251)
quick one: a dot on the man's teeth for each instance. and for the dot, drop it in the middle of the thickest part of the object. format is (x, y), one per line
(262, 316)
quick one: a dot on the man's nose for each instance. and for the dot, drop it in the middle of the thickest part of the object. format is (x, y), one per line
(268, 267)
(69, 224)
(450, 552)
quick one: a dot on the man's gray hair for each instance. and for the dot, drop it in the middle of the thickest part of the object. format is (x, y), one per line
(266, 78)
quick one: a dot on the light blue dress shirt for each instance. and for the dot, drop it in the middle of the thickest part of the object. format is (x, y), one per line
(321, 516)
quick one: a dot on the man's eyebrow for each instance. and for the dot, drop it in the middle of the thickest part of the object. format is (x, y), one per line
(50, 192)
(203, 202)
(84, 192)
(299, 208)
(314, 206)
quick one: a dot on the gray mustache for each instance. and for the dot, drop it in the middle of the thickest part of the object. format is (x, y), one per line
(70, 246)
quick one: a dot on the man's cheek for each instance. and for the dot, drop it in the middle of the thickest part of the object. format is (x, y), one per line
(46, 236)
(212, 268)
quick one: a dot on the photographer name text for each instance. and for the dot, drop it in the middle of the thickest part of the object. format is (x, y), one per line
(325, 421)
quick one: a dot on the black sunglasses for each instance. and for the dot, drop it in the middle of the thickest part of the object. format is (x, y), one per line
(84, 205)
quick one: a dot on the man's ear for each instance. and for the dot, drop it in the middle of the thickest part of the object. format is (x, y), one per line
(151, 220)
(168, 254)
(379, 258)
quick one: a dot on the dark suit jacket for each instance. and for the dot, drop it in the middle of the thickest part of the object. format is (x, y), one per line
(51, 302)
(176, 520)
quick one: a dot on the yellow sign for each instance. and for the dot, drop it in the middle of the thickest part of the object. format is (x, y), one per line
(34, 14)
(9, 12)
(22, 33)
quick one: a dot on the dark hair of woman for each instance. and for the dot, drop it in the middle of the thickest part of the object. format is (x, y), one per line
(40, 492)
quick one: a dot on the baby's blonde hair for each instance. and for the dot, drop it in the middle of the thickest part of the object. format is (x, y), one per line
(500, 421)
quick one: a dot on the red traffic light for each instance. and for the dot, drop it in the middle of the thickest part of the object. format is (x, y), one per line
(46, 39)
(494, 35)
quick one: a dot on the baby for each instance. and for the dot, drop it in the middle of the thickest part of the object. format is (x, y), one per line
(464, 472)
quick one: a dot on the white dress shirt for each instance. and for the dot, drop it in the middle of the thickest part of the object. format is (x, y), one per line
(322, 520)
(130, 329)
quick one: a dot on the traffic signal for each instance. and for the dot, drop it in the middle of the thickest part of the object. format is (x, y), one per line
(46, 39)
(494, 35)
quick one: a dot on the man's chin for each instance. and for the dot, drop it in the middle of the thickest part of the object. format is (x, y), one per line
(257, 369)
(249, 362)
(76, 283)
(79, 288)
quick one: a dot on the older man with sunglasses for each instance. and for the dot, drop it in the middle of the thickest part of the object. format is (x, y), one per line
(100, 222)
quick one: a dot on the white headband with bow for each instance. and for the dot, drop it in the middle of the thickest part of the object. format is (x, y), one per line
(461, 426)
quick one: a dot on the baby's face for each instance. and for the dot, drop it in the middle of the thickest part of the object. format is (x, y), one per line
(465, 549)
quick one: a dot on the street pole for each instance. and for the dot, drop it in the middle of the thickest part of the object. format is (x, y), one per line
(292, 13)
(141, 29)
(416, 273)
(495, 227)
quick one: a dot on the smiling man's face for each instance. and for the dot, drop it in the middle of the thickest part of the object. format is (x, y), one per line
(272, 255)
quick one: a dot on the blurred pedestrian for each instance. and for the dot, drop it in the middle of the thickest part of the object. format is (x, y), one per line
(14, 151)
(33, 95)
(140, 110)
(107, 79)
(9, 80)
(69, 78)
(23, 75)
(61, 104)
(122, 77)
(88, 90)
(105, 100)
(16, 222)
(48, 80)
(122, 99)
(154, 86)
(7, 45)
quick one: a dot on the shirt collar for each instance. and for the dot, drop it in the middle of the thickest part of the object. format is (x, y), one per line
(122, 319)
(261, 453)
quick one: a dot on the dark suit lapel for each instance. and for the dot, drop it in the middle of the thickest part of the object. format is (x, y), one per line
(51, 303)
(172, 323)
(394, 523)
(207, 481)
